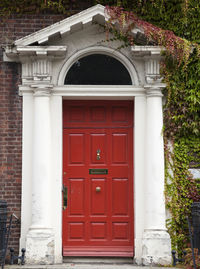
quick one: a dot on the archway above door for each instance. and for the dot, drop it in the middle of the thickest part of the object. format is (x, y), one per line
(98, 69)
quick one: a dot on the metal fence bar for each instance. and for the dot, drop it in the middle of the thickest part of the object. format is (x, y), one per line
(191, 242)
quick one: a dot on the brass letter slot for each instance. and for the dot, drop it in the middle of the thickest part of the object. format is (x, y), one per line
(98, 171)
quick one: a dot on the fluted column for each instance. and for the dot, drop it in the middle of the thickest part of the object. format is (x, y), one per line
(156, 240)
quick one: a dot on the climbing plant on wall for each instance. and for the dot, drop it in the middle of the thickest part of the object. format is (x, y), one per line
(175, 25)
(181, 70)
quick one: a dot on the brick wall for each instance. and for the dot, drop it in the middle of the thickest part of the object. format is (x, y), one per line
(11, 112)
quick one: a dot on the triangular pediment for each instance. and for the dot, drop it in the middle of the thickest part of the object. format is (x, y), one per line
(95, 14)
(51, 41)
(88, 16)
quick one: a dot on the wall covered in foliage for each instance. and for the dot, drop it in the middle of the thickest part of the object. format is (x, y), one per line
(182, 94)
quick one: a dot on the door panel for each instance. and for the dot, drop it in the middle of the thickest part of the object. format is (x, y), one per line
(119, 148)
(120, 189)
(76, 148)
(98, 199)
(98, 142)
(98, 219)
(76, 196)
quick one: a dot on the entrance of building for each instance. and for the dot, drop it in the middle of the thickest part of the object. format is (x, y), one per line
(98, 178)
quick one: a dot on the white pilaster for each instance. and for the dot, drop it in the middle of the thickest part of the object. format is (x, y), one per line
(156, 241)
(40, 239)
(139, 151)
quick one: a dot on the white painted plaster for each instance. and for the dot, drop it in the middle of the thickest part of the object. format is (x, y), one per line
(56, 174)
(139, 176)
(156, 240)
(26, 201)
(195, 173)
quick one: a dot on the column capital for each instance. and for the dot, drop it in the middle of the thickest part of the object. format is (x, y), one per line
(154, 90)
(152, 69)
(40, 90)
(37, 68)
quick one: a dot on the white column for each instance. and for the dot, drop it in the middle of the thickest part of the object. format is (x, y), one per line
(26, 167)
(40, 240)
(156, 240)
(56, 173)
(139, 172)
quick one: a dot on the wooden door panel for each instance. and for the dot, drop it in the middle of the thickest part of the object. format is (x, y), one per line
(119, 148)
(98, 231)
(120, 188)
(98, 142)
(120, 231)
(98, 197)
(98, 114)
(98, 219)
(76, 197)
(119, 114)
(76, 149)
(76, 115)
(76, 231)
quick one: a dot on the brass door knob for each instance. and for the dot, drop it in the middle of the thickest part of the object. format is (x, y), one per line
(98, 189)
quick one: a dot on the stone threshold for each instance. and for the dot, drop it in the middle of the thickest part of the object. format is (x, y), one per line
(85, 266)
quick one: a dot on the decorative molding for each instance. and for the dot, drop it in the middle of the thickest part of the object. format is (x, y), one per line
(87, 92)
(36, 61)
(152, 70)
(42, 70)
(154, 90)
(95, 13)
(102, 50)
(151, 55)
(17, 53)
(42, 90)
(141, 51)
(39, 69)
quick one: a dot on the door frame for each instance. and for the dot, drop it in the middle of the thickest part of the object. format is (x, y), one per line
(135, 92)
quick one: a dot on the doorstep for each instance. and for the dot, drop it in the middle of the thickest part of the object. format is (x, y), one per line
(85, 266)
(90, 263)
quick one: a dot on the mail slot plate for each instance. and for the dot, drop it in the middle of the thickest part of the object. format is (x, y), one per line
(98, 171)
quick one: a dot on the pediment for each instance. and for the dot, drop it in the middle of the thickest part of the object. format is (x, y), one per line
(47, 55)
(95, 14)
(40, 42)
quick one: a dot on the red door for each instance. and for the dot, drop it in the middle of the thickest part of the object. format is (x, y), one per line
(98, 178)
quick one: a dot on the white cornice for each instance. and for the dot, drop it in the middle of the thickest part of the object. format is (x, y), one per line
(73, 91)
(58, 51)
(140, 51)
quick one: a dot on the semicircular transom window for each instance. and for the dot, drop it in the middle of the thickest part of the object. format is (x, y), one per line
(98, 69)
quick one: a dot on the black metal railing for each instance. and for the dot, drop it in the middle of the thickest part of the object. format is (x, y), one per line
(194, 231)
(194, 236)
(5, 226)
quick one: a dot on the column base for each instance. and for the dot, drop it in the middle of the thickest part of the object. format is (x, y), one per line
(156, 247)
(40, 246)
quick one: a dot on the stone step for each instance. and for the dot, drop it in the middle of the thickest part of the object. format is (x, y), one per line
(85, 266)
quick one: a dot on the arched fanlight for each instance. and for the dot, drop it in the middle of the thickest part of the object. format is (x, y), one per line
(98, 69)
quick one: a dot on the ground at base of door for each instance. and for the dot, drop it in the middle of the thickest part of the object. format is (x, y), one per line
(85, 266)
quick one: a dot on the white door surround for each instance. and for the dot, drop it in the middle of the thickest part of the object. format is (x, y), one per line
(44, 68)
